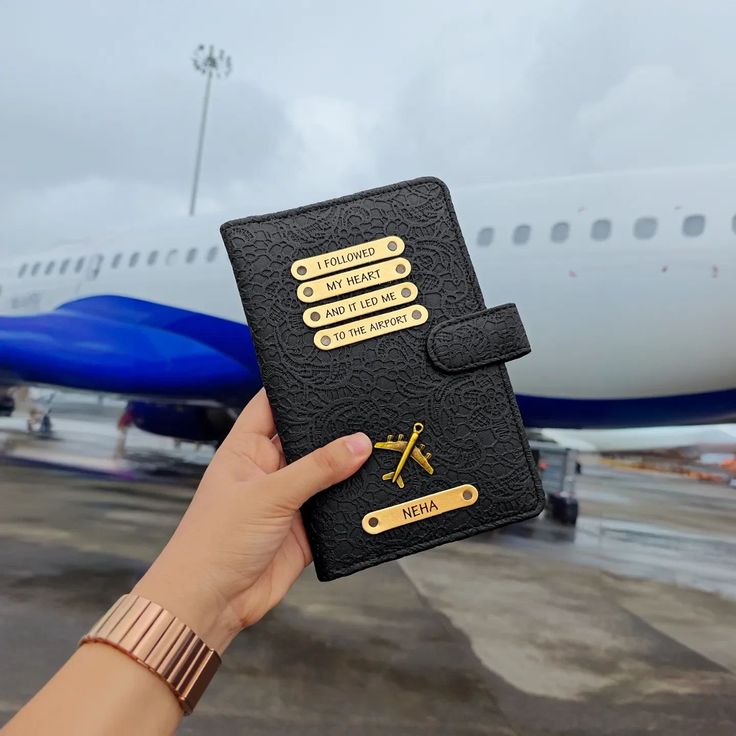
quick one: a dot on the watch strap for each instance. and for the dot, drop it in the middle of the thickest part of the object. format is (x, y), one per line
(162, 643)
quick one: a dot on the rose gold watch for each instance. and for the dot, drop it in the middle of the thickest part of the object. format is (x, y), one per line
(162, 643)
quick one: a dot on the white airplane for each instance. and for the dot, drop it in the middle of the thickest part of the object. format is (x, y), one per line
(626, 284)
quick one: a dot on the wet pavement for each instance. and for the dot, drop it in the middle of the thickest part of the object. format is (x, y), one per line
(626, 625)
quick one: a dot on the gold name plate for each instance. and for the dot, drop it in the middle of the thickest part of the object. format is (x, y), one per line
(364, 329)
(420, 508)
(354, 280)
(356, 306)
(353, 255)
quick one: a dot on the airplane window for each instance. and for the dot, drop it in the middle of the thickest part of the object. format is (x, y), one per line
(133, 259)
(64, 265)
(485, 236)
(645, 227)
(95, 266)
(22, 271)
(36, 268)
(115, 262)
(560, 232)
(733, 223)
(601, 230)
(152, 257)
(171, 257)
(693, 225)
(212, 253)
(79, 266)
(191, 255)
(49, 268)
(521, 234)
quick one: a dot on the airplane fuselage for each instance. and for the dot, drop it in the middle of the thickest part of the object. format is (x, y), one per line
(626, 285)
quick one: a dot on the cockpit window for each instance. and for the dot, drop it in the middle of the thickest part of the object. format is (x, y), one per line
(22, 271)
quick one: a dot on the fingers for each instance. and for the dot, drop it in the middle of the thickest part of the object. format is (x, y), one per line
(291, 486)
(256, 418)
(248, 447)
(276, 441)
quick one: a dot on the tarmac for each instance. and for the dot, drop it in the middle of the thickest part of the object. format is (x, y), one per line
(625, 625)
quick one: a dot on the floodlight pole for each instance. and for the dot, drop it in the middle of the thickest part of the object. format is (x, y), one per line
(206, 62)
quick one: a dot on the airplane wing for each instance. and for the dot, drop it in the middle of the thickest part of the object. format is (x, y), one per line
(398, 446)
(131, 347)
(417, 455)
(714, 436)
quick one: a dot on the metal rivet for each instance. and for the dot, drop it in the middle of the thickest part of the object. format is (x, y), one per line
(373, 522)
(393, 245)
(325, 340)
(315, 316)
(406, 292)
(467, 495)
(308, 291)
(416, 314)
(301, 270)
(401, 268)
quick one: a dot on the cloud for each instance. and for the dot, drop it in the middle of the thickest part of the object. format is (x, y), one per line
(101, 107)
(626, 127)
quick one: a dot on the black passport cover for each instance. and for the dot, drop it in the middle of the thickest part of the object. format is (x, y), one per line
(448, 373)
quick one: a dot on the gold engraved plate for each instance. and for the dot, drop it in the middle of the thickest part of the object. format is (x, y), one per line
(419, 508)
(364, 329)
(355, 306)
(357, 278)
(353, 255)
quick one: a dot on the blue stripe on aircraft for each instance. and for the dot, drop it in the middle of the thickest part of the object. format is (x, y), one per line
(705, 408)
(121, 345)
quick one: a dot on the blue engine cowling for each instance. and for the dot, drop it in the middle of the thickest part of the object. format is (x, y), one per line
(191, 423)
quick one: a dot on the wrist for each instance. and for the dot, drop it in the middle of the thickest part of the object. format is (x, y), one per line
(160, 642)
(192, 600)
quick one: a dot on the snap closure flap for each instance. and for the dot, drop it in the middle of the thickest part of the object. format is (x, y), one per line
(495, 335)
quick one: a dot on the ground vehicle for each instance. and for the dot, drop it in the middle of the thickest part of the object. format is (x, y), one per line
(558, 467)
(563, 507)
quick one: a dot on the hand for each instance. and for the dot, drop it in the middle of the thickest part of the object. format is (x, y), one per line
(241, 543)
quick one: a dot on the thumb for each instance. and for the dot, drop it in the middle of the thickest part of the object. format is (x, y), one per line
(293, 485)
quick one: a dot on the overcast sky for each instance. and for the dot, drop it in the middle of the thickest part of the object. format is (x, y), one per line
(100, 105)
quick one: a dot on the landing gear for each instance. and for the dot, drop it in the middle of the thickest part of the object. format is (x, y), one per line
(7, 404)
(39, 418)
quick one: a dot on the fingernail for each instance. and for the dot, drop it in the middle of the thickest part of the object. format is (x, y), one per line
(359, 443)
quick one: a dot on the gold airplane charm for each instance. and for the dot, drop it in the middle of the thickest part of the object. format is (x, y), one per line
(407, 448)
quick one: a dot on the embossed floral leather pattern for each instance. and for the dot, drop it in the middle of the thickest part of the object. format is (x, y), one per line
(386, 384)
(494, 335)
